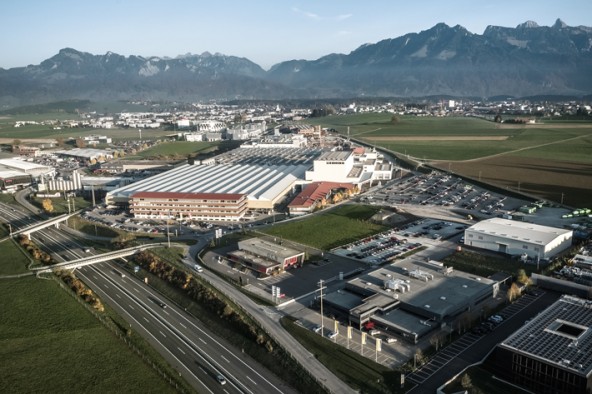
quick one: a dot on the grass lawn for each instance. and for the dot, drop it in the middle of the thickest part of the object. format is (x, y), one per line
(176, 149)
(14, 260)
(359, 372)
(329, 229)
(50, 343)
(60, 205)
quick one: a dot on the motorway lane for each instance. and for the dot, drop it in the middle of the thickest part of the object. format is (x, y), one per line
(201, 354)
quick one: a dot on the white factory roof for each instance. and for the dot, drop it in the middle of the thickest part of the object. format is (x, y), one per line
(10, 173)
(22, 165)
(523, 231)
(263, 183)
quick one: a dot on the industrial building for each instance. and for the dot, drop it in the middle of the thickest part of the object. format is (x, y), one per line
(265, 257)
(410, 299)
(11, 180)
(34, 170)
(359, 167)
(263, 185)
(518, 238)
(200, 206)
(316, 194)
(552, 353)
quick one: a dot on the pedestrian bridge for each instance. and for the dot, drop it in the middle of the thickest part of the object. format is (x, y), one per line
(98, 258)
(48, 223)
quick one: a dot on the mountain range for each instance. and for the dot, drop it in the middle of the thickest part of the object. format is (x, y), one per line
(523, 61)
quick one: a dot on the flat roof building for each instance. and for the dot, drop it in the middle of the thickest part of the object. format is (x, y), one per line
(200, 206)
(552, 353)
(265, 257)
(518, 238)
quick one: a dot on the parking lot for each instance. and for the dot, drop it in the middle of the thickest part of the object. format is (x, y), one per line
(444, 190)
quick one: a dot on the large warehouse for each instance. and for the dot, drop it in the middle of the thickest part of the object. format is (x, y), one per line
(518, 238)
(263, 185)
(552, 353)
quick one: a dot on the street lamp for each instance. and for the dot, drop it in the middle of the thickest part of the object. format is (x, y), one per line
(322, 319)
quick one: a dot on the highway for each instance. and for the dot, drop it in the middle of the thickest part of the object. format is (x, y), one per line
(191, 348)
(197, 354)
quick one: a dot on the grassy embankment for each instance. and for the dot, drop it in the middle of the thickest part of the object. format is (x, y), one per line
(52, 343)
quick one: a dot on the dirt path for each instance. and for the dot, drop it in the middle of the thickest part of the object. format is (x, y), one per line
(514, 151)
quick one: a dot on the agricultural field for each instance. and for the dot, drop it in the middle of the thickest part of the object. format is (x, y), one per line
(329, 229)
(551, 160)
(177, 149)
(50, 343)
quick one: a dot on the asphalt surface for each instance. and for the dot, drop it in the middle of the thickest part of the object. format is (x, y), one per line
(195, 352)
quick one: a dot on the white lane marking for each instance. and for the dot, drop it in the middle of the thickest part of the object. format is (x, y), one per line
(131, 307)
(203, 341)
(146, 320)
(136, 290)
(167, 313)
(225, 359)
(162, 333)
(183, 325)
(94, 276)
(247, 376)
(181, 350)
(118, 296)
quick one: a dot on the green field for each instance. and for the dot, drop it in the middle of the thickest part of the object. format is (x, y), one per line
(329, 229)
(177, 149)
(51, 343)
(410, 135)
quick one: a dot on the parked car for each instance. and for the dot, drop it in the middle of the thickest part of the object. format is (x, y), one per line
(332, 334)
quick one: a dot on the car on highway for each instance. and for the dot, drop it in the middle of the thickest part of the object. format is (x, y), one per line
(198, 268)
(332, 334)
(221, 379)
(317, 329)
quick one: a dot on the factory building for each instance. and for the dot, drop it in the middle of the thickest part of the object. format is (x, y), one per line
(200, 206)
(265, 257)
(550, 354)
(518, 238)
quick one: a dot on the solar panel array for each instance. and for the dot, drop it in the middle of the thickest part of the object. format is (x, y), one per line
(541, 337)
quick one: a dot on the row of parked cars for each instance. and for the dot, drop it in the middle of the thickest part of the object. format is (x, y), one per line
(488, 326)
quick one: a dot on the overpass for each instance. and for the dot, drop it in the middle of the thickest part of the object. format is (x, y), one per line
(97, 258)
(48, 223)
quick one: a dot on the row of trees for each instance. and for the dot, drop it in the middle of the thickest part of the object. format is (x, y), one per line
(206, 296)
(81, 290)
(34, 250)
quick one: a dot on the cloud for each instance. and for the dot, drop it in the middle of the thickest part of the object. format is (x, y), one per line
(317, 17)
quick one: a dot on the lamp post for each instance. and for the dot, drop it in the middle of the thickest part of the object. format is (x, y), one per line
(168, 232)
(322, 319)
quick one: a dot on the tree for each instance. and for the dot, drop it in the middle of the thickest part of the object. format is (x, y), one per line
(436, 340)
(513, 292)
(16, 142)
(395, 119)
(80, 143)
(521, 277)
(47, 205)
(465, 382)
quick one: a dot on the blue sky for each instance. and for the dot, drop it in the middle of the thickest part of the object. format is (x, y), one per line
(264, 31)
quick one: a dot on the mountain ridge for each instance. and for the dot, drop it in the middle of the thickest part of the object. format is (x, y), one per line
(527, 60)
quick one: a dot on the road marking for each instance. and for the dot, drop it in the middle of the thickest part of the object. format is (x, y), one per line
(118, 296)
(247, 376)
(131, 307)
(167, 313)
(183, 325)
(162, 333)
(225, 359)
(203, 341)
(136, 290)
(106, 287)
(181, 350)
(147, 320)
(94, 276)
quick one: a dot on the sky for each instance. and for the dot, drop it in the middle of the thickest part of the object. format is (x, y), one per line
(264, 31)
